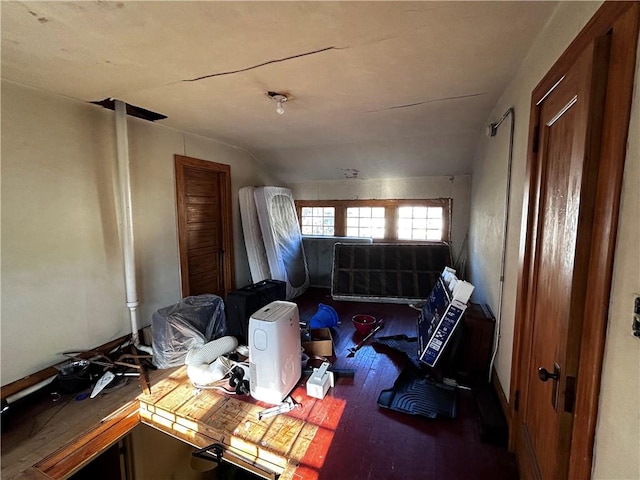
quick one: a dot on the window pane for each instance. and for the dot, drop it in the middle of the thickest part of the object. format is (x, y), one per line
(404, 234)
(405, 212)
(377, 212)
(435, 212)
(404, 224)
(366, 221)
(434, 224)
(317, 220)
(353, 222)
(419, 235)
(434, 235)
(419, 212)
(419, 223)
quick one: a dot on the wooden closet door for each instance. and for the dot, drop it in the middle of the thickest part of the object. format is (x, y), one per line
(204, 226)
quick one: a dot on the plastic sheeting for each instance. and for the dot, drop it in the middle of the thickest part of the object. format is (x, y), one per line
(254, 243)
(282, 238)
(190, 323)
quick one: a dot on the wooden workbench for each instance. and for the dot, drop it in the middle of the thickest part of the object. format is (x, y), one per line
(69, 436)
(275, 445)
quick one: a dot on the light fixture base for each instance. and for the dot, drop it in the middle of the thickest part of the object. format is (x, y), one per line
(279, 98)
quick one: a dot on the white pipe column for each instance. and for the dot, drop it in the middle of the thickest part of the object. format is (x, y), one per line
(128, 250)
(505, 226)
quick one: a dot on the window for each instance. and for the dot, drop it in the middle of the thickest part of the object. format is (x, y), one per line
(420, 223)
(317, 221)
(425, 220)
(365, 222)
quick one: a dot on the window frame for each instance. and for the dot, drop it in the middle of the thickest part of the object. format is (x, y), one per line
(391, 215)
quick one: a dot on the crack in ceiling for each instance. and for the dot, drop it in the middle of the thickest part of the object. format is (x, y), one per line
(428, 101)
(278, 60)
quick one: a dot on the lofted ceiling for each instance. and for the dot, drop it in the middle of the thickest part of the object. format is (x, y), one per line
(376, 89)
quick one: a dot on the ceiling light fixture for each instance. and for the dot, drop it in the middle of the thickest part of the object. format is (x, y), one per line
(279, 98)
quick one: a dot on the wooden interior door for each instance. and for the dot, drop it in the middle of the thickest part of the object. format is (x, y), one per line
(569, 131)
(205, 234)
(579, 123)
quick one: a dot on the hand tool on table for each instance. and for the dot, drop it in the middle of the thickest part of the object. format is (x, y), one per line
(353, 350)
(287, 405)
(102, 383)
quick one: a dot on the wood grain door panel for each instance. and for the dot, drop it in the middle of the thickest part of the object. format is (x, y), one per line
(579, 121)
(204, 226)
(568, 121)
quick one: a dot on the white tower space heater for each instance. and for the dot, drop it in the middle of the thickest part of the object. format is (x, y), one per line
(274, 351)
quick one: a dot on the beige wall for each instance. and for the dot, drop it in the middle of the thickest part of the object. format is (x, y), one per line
(456, 187)
(617, 450)
(62, 274)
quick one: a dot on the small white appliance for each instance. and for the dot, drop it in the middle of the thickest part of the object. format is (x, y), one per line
(274, 351)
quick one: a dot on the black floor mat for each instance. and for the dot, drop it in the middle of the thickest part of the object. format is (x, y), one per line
(414, 391)
(419, 396)
(404, 344)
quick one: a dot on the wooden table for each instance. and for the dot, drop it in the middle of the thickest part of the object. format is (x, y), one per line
(274, 446)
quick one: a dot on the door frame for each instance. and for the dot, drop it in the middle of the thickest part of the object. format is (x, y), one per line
(621, 20)
(181, 162)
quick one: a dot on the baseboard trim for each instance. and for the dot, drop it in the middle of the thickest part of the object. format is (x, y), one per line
(504, 403)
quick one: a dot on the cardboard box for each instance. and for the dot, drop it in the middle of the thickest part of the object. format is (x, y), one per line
(321, 343)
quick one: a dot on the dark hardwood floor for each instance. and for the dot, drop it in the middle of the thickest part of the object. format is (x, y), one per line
(370, 442)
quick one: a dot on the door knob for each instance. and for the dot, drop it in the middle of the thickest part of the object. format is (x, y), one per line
(544, 374)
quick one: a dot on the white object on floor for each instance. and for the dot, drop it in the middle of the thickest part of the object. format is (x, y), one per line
(274, 351)
(320, 381)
